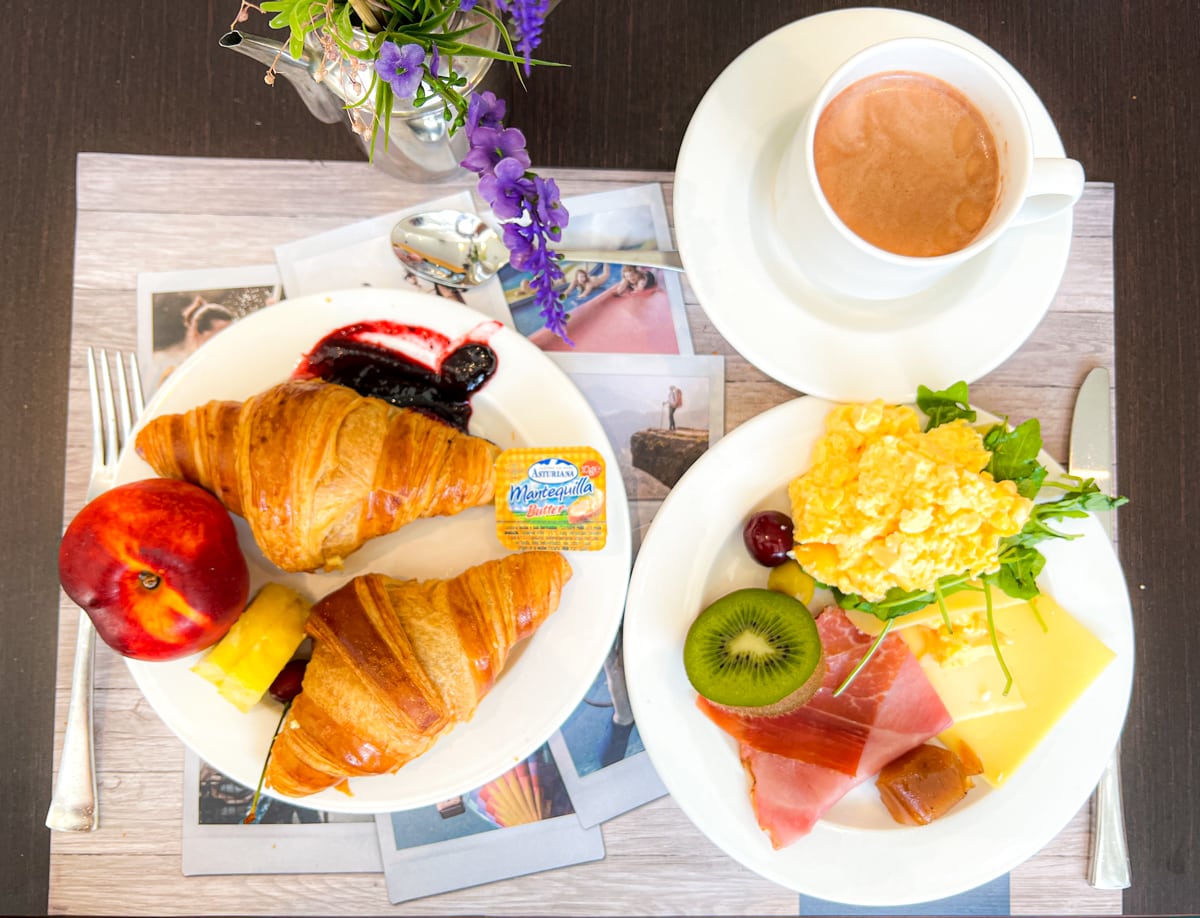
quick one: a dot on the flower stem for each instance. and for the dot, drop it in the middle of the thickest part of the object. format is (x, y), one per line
(252, 814)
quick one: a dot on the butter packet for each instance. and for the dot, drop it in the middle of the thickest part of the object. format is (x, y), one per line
(551, 498)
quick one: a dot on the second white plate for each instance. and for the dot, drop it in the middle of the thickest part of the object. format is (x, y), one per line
(857, 854)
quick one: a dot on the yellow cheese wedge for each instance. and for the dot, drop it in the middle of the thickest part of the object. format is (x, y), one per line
(971, 684)
(1051, 668)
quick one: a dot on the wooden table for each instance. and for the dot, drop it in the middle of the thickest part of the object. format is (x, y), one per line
(147, 213)
(120, 78)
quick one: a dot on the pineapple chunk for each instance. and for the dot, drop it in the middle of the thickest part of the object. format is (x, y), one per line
(243, 664)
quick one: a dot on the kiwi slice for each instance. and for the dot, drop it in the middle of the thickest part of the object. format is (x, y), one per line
(755, 652)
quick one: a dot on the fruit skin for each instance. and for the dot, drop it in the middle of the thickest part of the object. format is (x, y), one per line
(768, 537)
(755, 652)
(156, 566)
(290, 681)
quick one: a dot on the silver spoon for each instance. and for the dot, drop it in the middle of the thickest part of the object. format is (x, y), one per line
(458, 249)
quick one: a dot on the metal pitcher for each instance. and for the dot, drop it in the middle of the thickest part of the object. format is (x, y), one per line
(418, 145)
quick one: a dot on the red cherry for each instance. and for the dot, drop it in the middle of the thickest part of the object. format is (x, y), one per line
(288, 683)
(768, 537)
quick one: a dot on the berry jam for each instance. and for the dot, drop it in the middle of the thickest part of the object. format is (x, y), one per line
(408, 366)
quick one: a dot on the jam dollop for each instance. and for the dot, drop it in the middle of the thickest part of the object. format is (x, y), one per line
(406, 365)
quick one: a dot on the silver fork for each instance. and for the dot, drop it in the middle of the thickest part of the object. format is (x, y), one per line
(73, 807)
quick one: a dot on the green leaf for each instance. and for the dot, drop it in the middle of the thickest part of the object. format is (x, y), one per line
(897, 602)
(1015, 455)
(945, 405)
(1020, 565)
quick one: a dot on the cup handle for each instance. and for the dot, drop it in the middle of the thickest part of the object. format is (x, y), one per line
(1055, 184)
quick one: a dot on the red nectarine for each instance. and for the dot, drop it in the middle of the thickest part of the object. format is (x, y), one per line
(156, 566)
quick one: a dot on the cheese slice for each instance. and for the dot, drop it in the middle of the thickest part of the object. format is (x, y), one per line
(1052, 668)
(971, 684)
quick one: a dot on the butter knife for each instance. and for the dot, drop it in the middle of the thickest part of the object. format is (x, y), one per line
(1091, 457)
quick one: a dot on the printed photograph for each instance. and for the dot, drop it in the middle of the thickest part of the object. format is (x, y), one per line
(361, 255)
(660, 413)
(600, 753)
(180, 311)
(531, 792)
(280, 838)
(520, 823)
(611, 308)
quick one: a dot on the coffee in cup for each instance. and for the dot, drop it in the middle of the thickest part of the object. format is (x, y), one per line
(907, 163)
(914, 157)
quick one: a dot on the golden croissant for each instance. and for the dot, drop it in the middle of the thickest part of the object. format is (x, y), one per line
(397, 663)
(317, 469)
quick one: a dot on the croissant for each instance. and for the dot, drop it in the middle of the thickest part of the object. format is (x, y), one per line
(397, 663)
(317, 469)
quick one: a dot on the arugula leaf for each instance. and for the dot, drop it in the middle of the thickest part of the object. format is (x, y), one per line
(1015, 455)
(897, 602)
(1020, 564)
(945, 405)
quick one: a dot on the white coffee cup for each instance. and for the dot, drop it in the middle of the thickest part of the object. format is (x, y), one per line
(830, 254)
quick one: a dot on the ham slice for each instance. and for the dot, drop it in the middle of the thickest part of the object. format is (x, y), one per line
(800, 765)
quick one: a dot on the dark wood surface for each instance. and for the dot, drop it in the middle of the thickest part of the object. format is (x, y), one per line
(1118, 78)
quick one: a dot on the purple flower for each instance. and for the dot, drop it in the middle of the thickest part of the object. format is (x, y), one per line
(402, 67)
(490, 145)
(486, 111)
(518, 239)
(527, 17)
(530, 203)
(506, 189)
(466, 5)
(550, 212)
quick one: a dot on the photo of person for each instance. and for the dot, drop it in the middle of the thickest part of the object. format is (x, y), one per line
(179, 311)
(586, 281)
(601, 730)
(660, 413)
(630, 315)
(180, 327)
(426, 286)
(610, 308)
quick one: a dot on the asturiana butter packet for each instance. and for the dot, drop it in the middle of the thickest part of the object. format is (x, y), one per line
(551, 498)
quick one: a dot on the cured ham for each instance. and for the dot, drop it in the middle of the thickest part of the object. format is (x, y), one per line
(800, 765)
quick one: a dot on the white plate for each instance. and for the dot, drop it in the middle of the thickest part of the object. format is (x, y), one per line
(528, 402)
(693, 554)
(802, 335)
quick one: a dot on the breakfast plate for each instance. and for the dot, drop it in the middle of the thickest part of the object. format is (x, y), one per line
(803, 335)
(693, 554)
(528, 402)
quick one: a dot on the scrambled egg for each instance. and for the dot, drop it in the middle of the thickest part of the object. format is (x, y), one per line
(885, 505)
(970, 640)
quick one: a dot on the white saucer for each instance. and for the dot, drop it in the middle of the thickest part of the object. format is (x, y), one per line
(804, 336)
